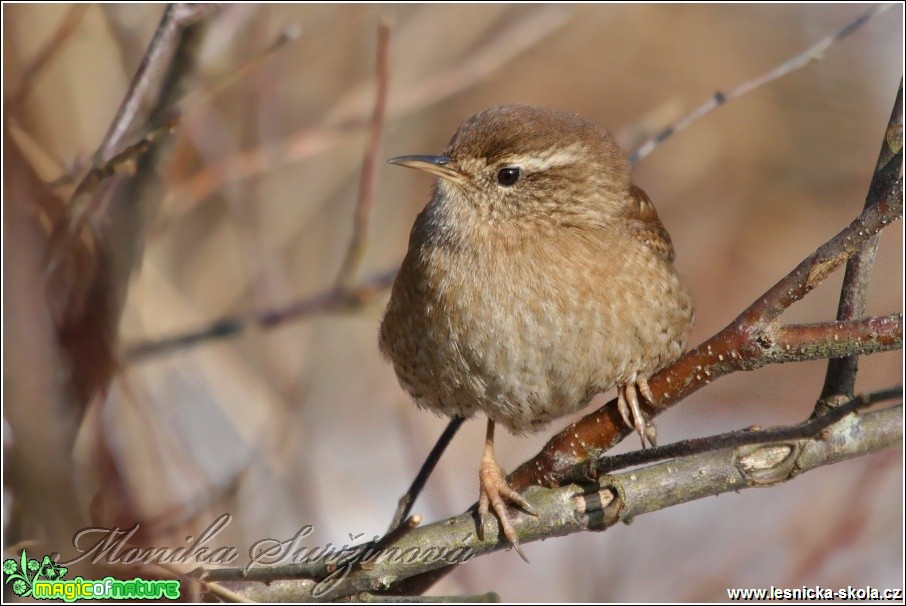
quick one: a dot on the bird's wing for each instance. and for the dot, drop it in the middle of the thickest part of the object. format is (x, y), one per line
(646, 225)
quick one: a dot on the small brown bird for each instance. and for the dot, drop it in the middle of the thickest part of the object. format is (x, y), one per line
(537, 276)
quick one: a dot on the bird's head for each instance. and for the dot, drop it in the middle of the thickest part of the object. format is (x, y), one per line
(520, 162)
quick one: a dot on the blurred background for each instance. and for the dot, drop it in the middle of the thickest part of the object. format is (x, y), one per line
(305, 423)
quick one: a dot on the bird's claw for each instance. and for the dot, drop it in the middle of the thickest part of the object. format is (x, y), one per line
(494, 492)
(631, 411)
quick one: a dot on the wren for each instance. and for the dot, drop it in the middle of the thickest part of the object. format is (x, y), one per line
(537, 276)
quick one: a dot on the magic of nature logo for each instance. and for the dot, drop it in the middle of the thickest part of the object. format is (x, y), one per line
(43, 580)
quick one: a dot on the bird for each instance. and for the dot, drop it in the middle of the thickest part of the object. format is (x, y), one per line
(537, 276)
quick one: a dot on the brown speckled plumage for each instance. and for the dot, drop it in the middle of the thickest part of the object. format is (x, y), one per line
(523, 301)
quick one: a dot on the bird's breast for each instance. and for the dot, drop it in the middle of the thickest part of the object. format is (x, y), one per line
(527, 327)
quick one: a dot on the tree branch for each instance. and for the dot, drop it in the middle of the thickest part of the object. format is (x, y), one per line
(747, 343)
(592, 469)
(332, 301)
(175, 18)
(404, 507)
(356, 249)
(809, 56)
(440, 84)
(840, 381)
(562, 511)
(91, 204)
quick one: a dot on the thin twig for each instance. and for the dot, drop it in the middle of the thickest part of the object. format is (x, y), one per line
(35, 70)
(124, 162)
(814, 53)
(443, 83)
(408, 500)
(50, 50)
(260, 159)
(331, 301)
(356, 249)
(840, 381)
(87, 292)
(174, 19)
(817, 266)
(86, 203)
(198, 98)
(78, 211)
(201, 96)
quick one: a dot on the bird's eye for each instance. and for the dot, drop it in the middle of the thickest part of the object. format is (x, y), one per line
(508, 175)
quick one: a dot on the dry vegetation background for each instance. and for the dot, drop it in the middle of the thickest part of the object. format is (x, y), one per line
(305, 424)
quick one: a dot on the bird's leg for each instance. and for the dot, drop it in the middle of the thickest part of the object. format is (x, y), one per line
(628, 405)
(494, 489)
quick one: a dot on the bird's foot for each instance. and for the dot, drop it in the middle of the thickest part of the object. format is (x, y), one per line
(494, 491)
(628, 405)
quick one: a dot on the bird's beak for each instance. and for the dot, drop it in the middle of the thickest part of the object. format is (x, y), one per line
(437, 165)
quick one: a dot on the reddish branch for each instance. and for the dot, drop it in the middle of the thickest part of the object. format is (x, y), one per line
(834, 339)
(749, 342)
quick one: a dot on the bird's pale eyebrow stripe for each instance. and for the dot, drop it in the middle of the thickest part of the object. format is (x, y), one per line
(549, 158)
